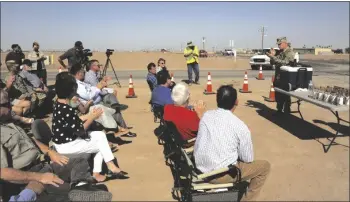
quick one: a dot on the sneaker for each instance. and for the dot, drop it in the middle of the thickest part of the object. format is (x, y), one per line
(90, 192)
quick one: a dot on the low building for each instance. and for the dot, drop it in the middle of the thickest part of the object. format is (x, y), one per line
(314, 51)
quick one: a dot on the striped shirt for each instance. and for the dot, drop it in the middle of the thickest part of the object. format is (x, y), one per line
(153, 79)
(222, 139)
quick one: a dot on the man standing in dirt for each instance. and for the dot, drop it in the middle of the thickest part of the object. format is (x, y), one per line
(285, 57)
(191, 54)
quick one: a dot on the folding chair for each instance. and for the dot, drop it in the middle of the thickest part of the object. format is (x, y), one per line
(195, 186)
(158, 112)
(192, 184)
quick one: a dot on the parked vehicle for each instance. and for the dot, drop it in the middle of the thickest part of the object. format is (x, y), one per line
(228, 52)
(261, 59)
(203, 54)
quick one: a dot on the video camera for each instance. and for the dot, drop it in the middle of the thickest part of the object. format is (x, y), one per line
(87, 53)
(109, 52)
(84, 57)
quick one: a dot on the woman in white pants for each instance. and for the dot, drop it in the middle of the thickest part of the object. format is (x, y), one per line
(69, 131)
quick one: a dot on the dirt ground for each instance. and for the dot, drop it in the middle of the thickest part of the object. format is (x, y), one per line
(300, 168)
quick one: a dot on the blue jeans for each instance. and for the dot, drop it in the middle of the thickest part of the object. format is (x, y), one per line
(195, 68)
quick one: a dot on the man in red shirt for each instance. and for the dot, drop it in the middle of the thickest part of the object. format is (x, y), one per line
(185, 119)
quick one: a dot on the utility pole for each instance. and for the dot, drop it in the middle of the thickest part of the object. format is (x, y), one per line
(203, 40)
(263, 34)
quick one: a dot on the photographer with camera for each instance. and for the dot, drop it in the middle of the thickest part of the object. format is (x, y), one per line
(14, 57)
(191, 54)
(74, 55)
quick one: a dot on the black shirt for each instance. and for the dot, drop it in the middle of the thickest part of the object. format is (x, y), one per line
(17, 57)
(73, 57)
(66, 124)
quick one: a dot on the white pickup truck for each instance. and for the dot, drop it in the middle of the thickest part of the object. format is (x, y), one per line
(261, 59)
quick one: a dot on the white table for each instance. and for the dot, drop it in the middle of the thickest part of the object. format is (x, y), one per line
(304, 96)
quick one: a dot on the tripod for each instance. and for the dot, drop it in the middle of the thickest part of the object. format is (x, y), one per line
(104, 72)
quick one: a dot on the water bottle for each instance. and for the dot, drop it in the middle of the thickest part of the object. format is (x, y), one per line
(311, 88)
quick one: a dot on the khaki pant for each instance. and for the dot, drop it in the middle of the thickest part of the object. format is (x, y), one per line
(256, 172)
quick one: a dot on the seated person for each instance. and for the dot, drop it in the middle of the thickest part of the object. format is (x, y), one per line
(161, 95)
(185, 120)
(162, 68)
(26, 156)
(69, 131)
(86, 92)
(151, 76)
(33, 79)
(92, 78)
(161, 65)
(19, 107)
(5, 106)
(223, 140)
(21, 89)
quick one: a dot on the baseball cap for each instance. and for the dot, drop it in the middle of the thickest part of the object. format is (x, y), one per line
(26, 62)
(281, 40)
(78, 44)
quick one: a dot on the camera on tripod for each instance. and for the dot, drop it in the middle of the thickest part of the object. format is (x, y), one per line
(109, 52)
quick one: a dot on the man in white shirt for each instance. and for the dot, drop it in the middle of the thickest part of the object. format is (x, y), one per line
(223, 140)
(87, 92)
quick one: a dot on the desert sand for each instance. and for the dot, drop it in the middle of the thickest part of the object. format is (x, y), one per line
(300, 168)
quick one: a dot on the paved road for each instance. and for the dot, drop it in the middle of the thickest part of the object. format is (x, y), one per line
(321, 68)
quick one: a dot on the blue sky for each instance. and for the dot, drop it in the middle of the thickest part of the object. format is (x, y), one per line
(141, 25)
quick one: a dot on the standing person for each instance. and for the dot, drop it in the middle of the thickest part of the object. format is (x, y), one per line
(285, 57)
(38, 66)
(191, 54)
(15, 56)
(73, 55)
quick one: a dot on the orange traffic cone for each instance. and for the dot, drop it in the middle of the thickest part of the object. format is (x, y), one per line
(260, 75)
(271, 97)
(172, 77)
(131, 93)
(245, 85)
(209, 89)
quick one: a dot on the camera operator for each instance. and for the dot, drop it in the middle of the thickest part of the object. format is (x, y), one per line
(15, 56)
(73, 55)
